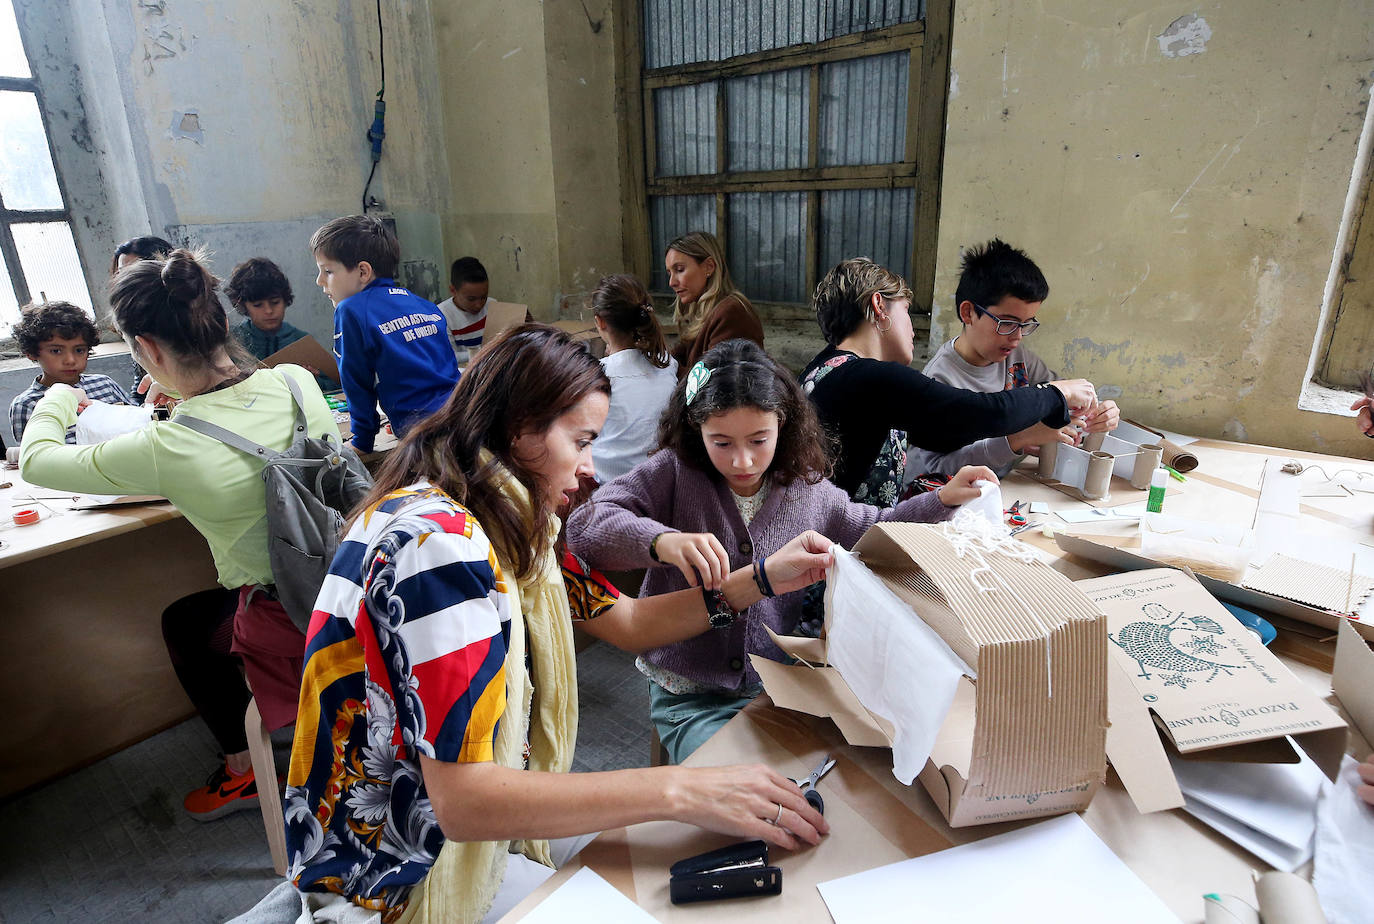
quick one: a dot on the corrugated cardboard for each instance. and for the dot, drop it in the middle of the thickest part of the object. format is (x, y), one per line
(1117, 552)
(1008, 749)
(1205, 682)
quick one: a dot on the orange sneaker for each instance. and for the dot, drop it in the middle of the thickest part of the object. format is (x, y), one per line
(222, 794)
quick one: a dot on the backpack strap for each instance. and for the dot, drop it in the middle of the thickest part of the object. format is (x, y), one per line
(243, 444)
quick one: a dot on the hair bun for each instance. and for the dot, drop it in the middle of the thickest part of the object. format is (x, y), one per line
(183, 277)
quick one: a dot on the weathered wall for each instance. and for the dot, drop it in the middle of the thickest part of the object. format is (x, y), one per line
(240, 126)
(529, 123)
(1179, 173)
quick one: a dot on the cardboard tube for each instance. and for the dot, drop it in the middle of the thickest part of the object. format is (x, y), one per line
(1178, 458)
(1098, 480)
(1093, 442)
(1146, 461)
(1049, 452)
(1288, 898)
(1228, 909)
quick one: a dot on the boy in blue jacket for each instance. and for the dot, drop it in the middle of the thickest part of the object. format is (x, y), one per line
(391, 344)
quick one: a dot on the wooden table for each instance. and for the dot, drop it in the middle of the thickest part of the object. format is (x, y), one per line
(876, 820)
(81, 596)
(81, 600)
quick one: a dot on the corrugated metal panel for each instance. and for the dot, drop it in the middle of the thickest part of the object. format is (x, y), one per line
(685, 129)
(875, 223)
(767, 244)
(863, 110)
(671, 216)
(688, 31)
(766, 115)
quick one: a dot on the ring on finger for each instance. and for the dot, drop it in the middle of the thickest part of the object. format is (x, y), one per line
(775, 821)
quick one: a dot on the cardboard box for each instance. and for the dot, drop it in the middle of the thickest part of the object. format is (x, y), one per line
(1183, 664)
(1028, 738)
(1123, 554)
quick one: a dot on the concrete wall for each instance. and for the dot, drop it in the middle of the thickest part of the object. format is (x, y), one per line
(529, 124)
(1179, 173)
(240, 127)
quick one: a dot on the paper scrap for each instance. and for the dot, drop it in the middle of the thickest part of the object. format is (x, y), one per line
(1269, 809)
(1054, 871)
(586, 898)
(1345, 849)
(879, 644)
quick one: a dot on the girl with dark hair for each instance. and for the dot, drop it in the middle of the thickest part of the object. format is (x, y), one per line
(642, 374)
(708, 308)
(440, 705)
(741, 469)
(171, 316)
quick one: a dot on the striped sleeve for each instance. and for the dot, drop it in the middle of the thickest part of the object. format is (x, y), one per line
(448, 616)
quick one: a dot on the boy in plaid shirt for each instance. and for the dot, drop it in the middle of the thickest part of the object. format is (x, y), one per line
(59, 337)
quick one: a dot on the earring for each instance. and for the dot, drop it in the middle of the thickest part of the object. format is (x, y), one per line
(881, 329)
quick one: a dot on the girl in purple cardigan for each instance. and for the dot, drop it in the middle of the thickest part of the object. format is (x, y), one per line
(739, 472)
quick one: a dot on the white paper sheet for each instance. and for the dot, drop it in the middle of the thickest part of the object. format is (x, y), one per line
(586, 898)
(1343, 873)
(1269, 809)
(878, 644)
(100, 422)
(1051, 872)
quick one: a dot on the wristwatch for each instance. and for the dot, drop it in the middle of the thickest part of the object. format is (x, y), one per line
(718, 612)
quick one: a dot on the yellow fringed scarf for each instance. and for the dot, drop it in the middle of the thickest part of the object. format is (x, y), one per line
(541, 709)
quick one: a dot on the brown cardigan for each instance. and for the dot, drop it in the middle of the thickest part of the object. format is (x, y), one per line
(732, 317)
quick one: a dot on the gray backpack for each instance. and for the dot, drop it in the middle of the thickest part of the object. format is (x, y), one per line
(311, 486)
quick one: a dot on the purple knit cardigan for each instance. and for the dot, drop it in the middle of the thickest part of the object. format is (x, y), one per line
(662, 494)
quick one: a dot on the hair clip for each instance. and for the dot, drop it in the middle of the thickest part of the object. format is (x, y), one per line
(698, 377)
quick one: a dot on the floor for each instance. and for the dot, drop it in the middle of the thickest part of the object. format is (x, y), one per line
(111, 843)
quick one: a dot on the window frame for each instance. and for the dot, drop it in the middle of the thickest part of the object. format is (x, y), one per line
(9, 217)
(926, 42)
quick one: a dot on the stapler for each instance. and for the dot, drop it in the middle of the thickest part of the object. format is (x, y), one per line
(730, 872)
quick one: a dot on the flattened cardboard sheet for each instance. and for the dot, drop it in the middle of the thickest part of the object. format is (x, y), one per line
(1206, 680)
(307, 352)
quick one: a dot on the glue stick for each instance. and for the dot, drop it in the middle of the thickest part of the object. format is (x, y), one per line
(1158, 480)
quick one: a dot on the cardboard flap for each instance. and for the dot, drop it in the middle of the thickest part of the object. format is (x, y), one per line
(502, 316)
(822, 691)
(306, 352)
(1326, 748)
(1210, 684)
(1134, 749)
(1352, 678)
(810, 650)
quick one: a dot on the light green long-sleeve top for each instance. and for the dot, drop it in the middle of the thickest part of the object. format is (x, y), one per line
(218, 489)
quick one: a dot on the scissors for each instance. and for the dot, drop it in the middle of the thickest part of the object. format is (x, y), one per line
(1014, 515)
(808, 785)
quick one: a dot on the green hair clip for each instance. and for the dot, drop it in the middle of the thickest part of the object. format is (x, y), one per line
(698, 377)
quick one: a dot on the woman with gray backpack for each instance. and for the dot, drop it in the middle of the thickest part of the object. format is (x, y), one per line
(170, 314)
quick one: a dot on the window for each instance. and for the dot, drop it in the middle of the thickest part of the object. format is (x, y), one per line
(796, 131)
(39, 253)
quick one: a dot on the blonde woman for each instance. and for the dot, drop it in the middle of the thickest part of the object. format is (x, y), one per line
(709, 309)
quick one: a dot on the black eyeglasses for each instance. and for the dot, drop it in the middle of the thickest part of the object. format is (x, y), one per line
(1008, 326)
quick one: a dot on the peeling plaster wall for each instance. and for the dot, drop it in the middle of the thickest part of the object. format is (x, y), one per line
(1178, 172)
(240, 126)
(529, 121)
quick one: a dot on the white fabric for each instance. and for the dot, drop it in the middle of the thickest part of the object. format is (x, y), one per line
(639, 393)
(879, 644)
(1343, 873)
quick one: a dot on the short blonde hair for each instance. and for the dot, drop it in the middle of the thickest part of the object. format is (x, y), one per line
(844, 297)
(701, 246)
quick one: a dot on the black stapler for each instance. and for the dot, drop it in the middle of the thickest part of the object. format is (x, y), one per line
(730, 872)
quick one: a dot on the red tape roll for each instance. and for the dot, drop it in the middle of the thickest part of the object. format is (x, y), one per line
(25, 517)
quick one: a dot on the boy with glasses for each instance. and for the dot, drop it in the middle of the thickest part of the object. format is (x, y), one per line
(999, 294)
